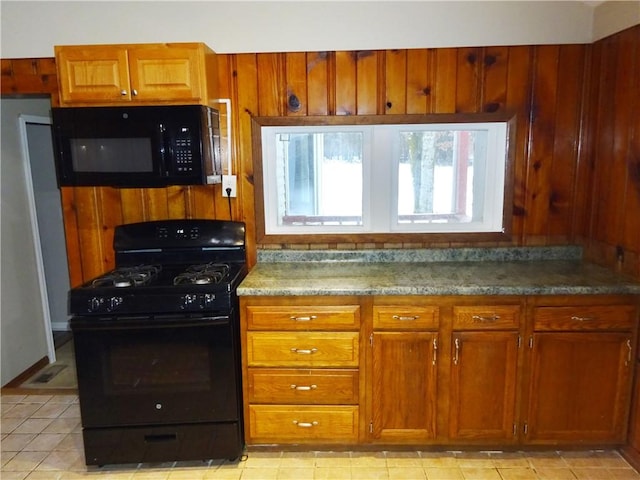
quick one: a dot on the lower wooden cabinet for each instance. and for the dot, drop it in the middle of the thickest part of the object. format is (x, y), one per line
(491, 371)
(404, 392)
(482, 398)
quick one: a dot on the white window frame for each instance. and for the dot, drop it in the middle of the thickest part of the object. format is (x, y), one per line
(380, 178)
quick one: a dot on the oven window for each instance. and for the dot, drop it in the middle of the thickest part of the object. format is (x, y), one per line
(111, 155)
(144, 368)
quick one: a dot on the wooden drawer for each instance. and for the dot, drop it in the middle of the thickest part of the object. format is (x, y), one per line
(293, 317)
(405, 318)
(588, 317)
(312, 387)
(302, 349)
(299, 424)
(486, 317)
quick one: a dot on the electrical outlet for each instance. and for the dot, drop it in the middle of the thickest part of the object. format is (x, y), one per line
(229, 183)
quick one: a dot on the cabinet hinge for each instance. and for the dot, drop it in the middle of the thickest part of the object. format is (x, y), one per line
(371, 340)
(371, 427)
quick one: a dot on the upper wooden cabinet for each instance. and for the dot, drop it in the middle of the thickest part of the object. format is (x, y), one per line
(146, 74)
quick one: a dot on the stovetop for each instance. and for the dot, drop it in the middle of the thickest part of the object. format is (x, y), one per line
(167, 267)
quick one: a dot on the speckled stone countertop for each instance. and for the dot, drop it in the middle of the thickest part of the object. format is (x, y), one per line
(467, 271)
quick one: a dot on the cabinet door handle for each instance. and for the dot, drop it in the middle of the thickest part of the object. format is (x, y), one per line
(304, 351)
(582, 319)
(123, 93)
(486, 318)
(406, 318)
(303, 319)
(629, 358)
(303, 388)
(134, 92)
(456, 353)
(435, 351)
(305, 424)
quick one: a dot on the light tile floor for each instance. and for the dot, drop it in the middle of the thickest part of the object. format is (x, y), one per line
(41, 440)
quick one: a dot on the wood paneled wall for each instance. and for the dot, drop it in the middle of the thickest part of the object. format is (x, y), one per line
(612, 167)
(577, 171)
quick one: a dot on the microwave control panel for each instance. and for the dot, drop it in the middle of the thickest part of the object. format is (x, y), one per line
(183, 156)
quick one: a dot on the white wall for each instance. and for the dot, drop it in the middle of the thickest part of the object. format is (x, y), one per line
(23, 337)
(31, 29)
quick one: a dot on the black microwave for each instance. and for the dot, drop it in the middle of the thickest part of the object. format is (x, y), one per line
(140, 146)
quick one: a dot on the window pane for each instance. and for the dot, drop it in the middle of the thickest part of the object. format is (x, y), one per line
(319, 178)
(436, 176)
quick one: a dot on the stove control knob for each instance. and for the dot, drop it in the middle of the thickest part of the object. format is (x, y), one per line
(95, 303)
(114, 302)
(208, 299)
(188, 300)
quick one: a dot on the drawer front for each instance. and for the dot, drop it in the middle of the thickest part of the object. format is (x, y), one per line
(311, 387)
(405, 318)
(340, 317)
(302, 349)
(486, 317)
(588, 317)
(287, 423)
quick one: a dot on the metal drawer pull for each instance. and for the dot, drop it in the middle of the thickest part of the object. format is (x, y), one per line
(456, 357)
(305, 424)
(304, 351)
(303, 387)
(487, 318)
(303, 319)
(582, 319)
(406, 318)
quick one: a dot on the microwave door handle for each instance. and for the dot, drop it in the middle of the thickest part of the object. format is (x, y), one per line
(163, 150)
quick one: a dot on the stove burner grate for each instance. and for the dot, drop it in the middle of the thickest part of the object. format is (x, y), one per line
(202, 274)
(128, 276)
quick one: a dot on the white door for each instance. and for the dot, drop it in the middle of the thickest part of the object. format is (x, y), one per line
(46, 217)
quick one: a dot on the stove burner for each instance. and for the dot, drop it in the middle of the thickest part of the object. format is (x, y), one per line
(202, 274)
(128, 276)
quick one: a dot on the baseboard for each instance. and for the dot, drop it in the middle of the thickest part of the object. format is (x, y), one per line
(29, 372)
(632, 456)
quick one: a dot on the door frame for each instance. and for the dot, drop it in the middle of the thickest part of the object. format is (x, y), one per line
(26, 163)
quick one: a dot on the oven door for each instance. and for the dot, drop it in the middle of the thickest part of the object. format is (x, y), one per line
(141, 371)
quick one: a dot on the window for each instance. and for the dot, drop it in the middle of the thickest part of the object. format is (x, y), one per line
(418, 175)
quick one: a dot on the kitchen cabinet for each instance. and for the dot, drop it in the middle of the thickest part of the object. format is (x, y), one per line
(301, 370)
(145, 74)
(483, 373)
(406, 370)
(404, 346)
(581, 367)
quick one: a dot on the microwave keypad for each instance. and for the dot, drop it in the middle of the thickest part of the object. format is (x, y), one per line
(183, 155)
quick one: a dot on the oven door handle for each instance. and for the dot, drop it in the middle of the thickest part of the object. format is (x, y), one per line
(143, 322)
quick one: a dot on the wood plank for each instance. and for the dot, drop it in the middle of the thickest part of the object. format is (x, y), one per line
(570, 78)
(419, 73)
(446, 70)
(271, 89)
(468, 80)
(518, 100)
(395, 82)
(317, 83)
(541, 159)
(345, 83)
(368, 81)
(296, 78)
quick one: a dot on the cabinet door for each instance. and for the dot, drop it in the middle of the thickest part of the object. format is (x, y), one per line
(580, 386)
(166, 73)
(483, 386)
(404, 386)
(93, 74)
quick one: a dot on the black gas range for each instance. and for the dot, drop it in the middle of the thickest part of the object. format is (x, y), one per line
(157, 345)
